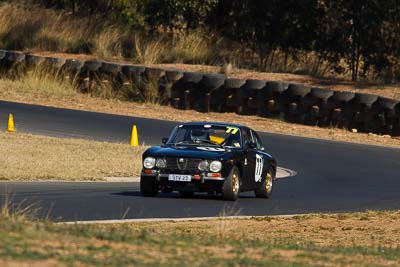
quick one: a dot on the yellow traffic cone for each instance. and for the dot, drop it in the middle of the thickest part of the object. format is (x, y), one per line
(10, 126)
(134, 136)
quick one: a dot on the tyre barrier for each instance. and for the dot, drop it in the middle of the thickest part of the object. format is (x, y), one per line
(247, 103)
(271, 99)
(315, 107)
(205, 92)
(209, 88)
(293, 96)
(183, 91)
(228, 100)
(11, 62)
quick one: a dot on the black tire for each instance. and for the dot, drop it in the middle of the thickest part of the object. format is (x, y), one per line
(234, 83)
(92, 65)
(231, 186)
(396, 129)
(322, 94)
(3, 54)
(254, 84)
(366, 99)
(73, 64)
(186, 194)
(153, 73)
(15, 57)
(265, 189)
(132, 70)
(213, 81)
(276, 87)
(148, 187)
(112, 68)
(192, 77)
(32, 60)
(342, 96)
(54, 62)
(173, 75)
(298, 90)
(310, 120)
(387, 103)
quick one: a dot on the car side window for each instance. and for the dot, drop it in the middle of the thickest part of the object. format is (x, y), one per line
(257, 140)
(246, 137)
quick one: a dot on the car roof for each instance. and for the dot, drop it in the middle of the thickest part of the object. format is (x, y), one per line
(214, 123)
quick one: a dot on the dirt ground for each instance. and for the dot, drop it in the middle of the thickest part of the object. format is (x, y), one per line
(373, 229)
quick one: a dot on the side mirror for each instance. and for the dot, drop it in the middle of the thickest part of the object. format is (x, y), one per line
(164, 140)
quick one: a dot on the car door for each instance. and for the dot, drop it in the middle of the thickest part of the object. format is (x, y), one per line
(260, 159)
(250, 159)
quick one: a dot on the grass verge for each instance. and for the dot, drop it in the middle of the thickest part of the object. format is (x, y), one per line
(369, 238)
(31, 157)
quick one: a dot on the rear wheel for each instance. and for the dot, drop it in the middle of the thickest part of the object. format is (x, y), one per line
(265, 190)
(231, 187)
(148, 187)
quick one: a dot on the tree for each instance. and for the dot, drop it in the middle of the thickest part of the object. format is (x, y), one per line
(188, 14)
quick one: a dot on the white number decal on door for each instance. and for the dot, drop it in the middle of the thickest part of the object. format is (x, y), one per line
(259, 167)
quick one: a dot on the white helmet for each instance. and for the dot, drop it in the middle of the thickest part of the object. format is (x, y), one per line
(199, 134)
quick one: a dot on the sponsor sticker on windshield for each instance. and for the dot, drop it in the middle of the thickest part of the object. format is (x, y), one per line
(232, 130)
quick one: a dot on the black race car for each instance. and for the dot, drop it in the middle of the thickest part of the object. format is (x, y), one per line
(209, 157)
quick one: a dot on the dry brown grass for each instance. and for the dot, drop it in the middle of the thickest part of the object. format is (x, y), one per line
(31, 28)
(365, 229)
(369, 238)
(148, 51)
(40, 82)
(31, 157)
(191, 47)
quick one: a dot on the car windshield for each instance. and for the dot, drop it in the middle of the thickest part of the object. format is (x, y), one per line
(207, 134)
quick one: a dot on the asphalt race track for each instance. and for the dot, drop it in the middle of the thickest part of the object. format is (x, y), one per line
(331, 176)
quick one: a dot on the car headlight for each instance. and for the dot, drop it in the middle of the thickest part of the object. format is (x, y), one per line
(161, 163)
(149, 162)
(203, 165)
(215, 166)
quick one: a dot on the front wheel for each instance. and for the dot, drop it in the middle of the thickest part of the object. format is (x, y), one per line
(265, 189)
(148, 187)
(231, 186)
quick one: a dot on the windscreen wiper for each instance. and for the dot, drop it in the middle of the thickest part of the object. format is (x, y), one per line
(185, 142)
(211, 142)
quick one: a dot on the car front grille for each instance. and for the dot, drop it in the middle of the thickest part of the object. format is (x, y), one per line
(182, 164)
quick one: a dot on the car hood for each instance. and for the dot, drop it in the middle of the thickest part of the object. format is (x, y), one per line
(206, 152)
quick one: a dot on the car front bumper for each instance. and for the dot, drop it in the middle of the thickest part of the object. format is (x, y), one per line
(201, 183)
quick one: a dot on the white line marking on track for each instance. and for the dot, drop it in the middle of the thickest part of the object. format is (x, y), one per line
(181, 219)
(284, 173)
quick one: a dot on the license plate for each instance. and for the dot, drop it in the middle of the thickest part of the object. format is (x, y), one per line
(179, 178)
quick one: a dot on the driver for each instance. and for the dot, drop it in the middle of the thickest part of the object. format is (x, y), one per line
(199, 135)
